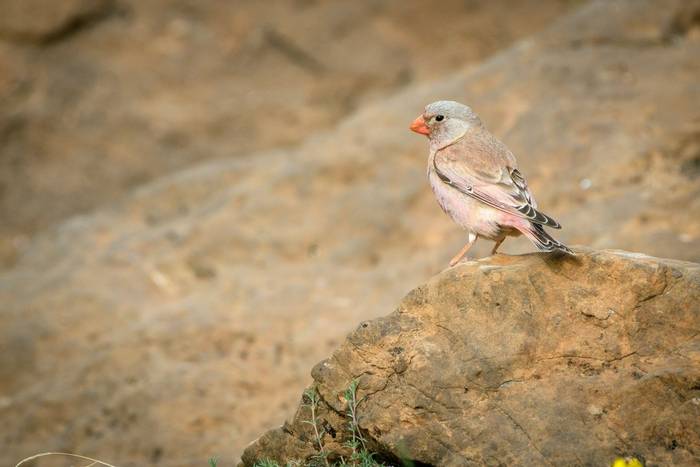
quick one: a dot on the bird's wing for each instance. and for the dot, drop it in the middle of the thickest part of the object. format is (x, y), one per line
(482, 167)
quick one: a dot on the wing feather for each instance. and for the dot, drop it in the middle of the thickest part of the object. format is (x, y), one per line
(482, 167)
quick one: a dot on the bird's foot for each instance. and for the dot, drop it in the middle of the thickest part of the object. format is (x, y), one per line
(458, 259)
(463, 252)
(494, 250)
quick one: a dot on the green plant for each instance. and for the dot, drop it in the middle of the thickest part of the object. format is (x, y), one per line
(358, 441)
(271, 463)
(360, 455)
(266, 463)
(313, 398)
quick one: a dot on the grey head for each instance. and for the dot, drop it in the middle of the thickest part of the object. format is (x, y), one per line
(447, 121)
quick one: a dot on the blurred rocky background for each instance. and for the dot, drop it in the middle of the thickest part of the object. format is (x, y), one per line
(100, 96)
(199, 199)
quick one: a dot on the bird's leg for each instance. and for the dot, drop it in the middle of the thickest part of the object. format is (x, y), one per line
(464, 250)
(498, 243)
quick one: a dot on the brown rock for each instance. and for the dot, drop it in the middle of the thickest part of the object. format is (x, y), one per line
(508, 361)
(42, 23)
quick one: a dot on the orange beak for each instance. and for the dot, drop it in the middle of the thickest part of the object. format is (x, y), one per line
(419, 126)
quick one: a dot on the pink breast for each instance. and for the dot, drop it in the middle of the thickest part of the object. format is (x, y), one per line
(467, 212)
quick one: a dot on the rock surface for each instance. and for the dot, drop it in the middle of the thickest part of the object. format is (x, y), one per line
(529, 360)
(181, 322)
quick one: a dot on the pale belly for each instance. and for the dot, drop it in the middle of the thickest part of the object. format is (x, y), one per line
(467, 212)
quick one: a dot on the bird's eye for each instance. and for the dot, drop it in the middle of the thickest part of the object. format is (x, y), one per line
(439, 118)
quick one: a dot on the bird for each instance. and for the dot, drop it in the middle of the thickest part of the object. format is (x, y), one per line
(476, 180)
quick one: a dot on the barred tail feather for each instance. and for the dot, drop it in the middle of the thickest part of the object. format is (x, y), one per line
(543, 241)
(535, 216)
